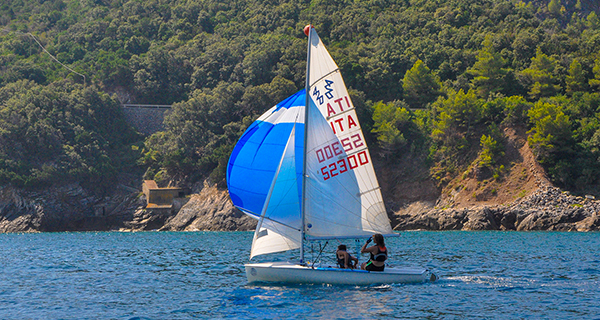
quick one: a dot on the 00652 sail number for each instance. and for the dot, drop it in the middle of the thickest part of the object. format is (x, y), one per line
(336, 149)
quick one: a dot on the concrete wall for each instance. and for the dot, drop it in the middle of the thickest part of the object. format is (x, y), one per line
(147, 119)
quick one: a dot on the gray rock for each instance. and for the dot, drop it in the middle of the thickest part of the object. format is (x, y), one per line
(209, 210)
(545, 209)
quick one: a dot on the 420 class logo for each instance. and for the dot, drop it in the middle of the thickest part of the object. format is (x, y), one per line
(328, 92)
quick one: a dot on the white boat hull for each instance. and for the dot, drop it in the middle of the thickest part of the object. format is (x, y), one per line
(293, 273)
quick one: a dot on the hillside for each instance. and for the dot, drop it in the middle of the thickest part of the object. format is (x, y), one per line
(522, 198)
(464, 103)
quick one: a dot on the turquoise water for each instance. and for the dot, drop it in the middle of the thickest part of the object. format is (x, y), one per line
(200, 275)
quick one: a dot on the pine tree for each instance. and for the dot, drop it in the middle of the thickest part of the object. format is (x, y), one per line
(540, 76)
(554, 7)
(420, 85)
(489, 73)
(576, 80)
(595, 82)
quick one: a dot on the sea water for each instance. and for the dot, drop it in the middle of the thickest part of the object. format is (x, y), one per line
(200, 275)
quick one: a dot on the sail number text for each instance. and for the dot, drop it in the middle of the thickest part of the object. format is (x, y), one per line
(346, 163)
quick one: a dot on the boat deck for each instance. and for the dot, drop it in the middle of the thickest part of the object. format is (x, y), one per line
(295, 273)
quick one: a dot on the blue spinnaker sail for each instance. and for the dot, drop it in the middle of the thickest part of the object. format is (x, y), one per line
(256, 156)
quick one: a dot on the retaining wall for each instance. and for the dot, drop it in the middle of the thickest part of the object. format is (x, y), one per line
(147, 119)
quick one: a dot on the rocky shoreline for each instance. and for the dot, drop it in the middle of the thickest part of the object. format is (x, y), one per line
(71, 208)
(547, 208)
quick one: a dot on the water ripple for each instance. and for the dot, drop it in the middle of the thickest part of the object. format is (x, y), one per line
(499, 275)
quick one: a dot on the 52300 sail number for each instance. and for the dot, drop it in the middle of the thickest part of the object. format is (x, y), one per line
(344, 164)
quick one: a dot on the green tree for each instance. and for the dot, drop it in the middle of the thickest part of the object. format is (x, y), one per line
(554, 7)
(595, 82)
(488, 71)
(576, 79)
(388, 118)
(420, 85)
(551, 130)
(491, 149)
(539, 77)
(459, 111)
(593, 21)
(61, 133)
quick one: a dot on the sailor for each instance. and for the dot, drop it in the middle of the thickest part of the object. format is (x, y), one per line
(344, 259)
(378, 254)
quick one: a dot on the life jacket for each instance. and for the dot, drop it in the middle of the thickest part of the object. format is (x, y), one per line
(381, 254)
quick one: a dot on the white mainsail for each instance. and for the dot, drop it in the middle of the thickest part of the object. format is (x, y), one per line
(342, 193)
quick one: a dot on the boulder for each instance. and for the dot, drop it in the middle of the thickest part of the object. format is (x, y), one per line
(209, 210)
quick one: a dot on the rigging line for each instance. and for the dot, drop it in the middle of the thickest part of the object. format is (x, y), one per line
(46, 51)
(62, 64)
(320, 252)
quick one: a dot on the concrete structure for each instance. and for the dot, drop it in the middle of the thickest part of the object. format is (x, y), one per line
(160, 198)
(147, 119)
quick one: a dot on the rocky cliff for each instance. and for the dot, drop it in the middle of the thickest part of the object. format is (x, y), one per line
(66, 208)
(522, 198)
(71, 208)
(210, 209)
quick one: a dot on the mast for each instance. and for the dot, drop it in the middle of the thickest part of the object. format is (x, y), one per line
(307, 31)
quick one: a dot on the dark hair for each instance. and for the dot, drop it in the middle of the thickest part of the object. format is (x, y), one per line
(342, 247)
(379, 240)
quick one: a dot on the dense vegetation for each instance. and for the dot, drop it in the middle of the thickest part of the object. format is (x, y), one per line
(431, 78)
(61, 132)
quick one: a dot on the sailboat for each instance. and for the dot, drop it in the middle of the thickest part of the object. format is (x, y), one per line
(304, 171)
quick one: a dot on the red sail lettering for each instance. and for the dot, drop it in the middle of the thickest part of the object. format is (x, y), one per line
(357, 140)
(362, 158)
(351, 122)
(320, 155)
(336, 148)
(352, 162)
(339, 102)
(339, 123)
(328, 152)
(342, 165)
(330, 110)
(346, 144)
